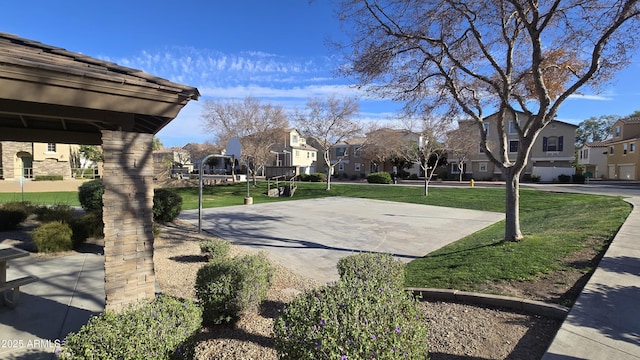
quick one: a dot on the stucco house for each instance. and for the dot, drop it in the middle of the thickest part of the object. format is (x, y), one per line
(593, 156)
(552, 153)
(32, 159)
(293, 150)
(623, 158)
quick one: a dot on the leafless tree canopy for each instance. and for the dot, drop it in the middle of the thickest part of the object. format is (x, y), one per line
(460, 58)
(329, 121)
(256, 124)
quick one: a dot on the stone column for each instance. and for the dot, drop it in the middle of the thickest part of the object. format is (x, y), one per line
(128, 218)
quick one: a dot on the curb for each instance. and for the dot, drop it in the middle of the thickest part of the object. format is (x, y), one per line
(540, 308)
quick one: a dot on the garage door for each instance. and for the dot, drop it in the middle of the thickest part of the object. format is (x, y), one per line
(627, 172)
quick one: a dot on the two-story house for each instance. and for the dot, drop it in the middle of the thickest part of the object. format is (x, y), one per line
(293, 150)
(28, 159)
(623, 158)
(552, 153)
(593, 157)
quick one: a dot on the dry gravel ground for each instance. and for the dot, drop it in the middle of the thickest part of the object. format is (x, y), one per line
(456, 331)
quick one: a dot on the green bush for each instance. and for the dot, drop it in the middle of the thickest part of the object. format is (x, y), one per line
(90, 195)
(352, 319)
(12, 214)
(318, 177)
(167, 205)
(62, 213)
(162, 329)
(86, 226)
(563, 178)
(52, 237)
(379, 178)
(304, 177)
(215, 249)
(48, 178)
(228, 288)
(382, 269)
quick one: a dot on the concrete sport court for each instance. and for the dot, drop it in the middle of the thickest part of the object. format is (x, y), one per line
(310, 236)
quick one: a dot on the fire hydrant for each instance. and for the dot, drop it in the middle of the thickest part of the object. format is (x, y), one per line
(472, 183)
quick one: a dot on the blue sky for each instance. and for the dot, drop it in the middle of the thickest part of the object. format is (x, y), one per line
(272, 50)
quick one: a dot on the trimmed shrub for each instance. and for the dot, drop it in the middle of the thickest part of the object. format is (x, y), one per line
(12, 214)
(62, 213)
(379, 178)
(215, 249)
(162, 329)
(304, 177)
(86, 226)
(90, 195)
(228, 288)
(318, 177)
(166, 205)
(382, 269)
(48, 178)
(352, 319)
(563, 178)
(52, 237)
(578, 179)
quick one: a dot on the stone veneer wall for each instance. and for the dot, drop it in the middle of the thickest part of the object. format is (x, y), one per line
(9, 151)
(52, 167)
(128, 218)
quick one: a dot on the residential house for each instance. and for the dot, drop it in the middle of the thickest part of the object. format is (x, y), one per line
(293, 150)
(552, 153)
(29, 159)
(175, 162)
(623, 157)
(593, 156)
(360, 156)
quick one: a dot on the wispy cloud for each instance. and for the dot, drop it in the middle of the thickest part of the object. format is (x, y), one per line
(608, 97)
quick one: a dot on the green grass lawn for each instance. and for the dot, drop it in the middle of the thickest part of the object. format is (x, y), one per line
(554, 225)
(43, 198)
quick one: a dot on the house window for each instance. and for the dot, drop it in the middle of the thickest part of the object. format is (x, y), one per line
(297, 153)
(584, 154)
(512, 127)
(625, 148)
(340, 151)
(632, 147)
(357, 151)
(454, 168)
(51, 147)
(487, 127)
(481, 150)
(513, 146)
(341, 166)
(356, 166)
(617, 131)
(294, 139)
(611, 150)
(552, 143)
(308, 155)
(482, 167)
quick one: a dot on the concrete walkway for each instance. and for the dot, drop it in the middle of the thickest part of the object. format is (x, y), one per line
(604, 323)
(70, 291)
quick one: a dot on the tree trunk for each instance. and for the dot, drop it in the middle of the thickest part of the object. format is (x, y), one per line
(512, 206)
(426, 186)
(329, 172)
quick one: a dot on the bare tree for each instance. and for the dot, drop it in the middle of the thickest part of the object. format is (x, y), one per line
(461, 143)
(256, 124)
(329, 122)
(521, 59)
(431, 149)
